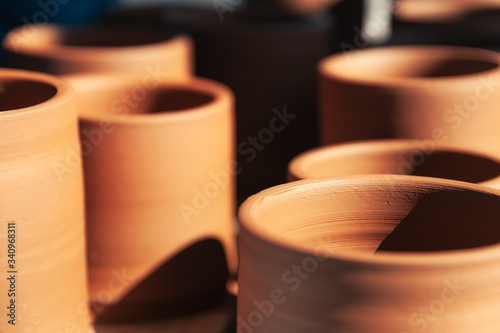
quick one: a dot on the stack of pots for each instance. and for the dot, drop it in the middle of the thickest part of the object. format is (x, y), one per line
(158, 157)
(396, 233)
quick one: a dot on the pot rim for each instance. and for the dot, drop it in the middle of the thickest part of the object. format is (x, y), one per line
(64, 92)
(400, 53)
(248, 219)
(47, 47)
(220, 93)
(298, 166)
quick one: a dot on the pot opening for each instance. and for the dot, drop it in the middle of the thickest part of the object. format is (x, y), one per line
(374, 215)
(440, 164)
(172, 99)
(110, 36)
(17, 93)
(412, 63)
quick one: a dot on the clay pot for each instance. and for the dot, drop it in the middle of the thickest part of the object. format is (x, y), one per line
(397, 156)
(65, 50)
(270, 66)
(445, 94)
(42, 231)
(370, 254)
(463, 22)
(159, 168)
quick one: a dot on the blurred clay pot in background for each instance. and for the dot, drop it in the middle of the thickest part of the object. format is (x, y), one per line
(270, 64)
(66, 50)
(396, 156)
(370, 254)
(42, 234)
(450, 22)
(159, 181)
(445, 94)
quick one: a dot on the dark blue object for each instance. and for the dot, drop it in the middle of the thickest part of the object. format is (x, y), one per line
(15, 12)
(3, 30)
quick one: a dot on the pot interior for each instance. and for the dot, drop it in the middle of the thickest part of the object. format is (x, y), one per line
(109, 36)
(21, 93)
(121, 96)
(385, 158)
(412, 63)
(166, 100)
(396, 213)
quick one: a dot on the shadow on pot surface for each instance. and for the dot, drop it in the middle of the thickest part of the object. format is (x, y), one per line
(192, 280)
(380, 253)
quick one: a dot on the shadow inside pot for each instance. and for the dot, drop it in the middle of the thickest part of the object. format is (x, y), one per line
(13, 93)
(193, 280)
(177, 100)
(457, 166)
(109, 36)
(444, 221)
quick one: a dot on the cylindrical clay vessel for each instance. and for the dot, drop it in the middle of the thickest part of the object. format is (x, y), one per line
(159, 175)
(396, 156)
(370, 254)
(42, 262)
(65, 50)
(447, 22)
(445, 94)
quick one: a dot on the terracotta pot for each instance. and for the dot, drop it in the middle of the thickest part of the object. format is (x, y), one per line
(159, 172)
(396, 156)
(270, 66)
(65, 50)
(445, 94)
(44, 286)
(370, 254)
(463, 22)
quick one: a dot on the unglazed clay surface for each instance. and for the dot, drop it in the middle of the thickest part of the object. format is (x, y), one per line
(370, 254)
(160, 192)
(43, 274)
